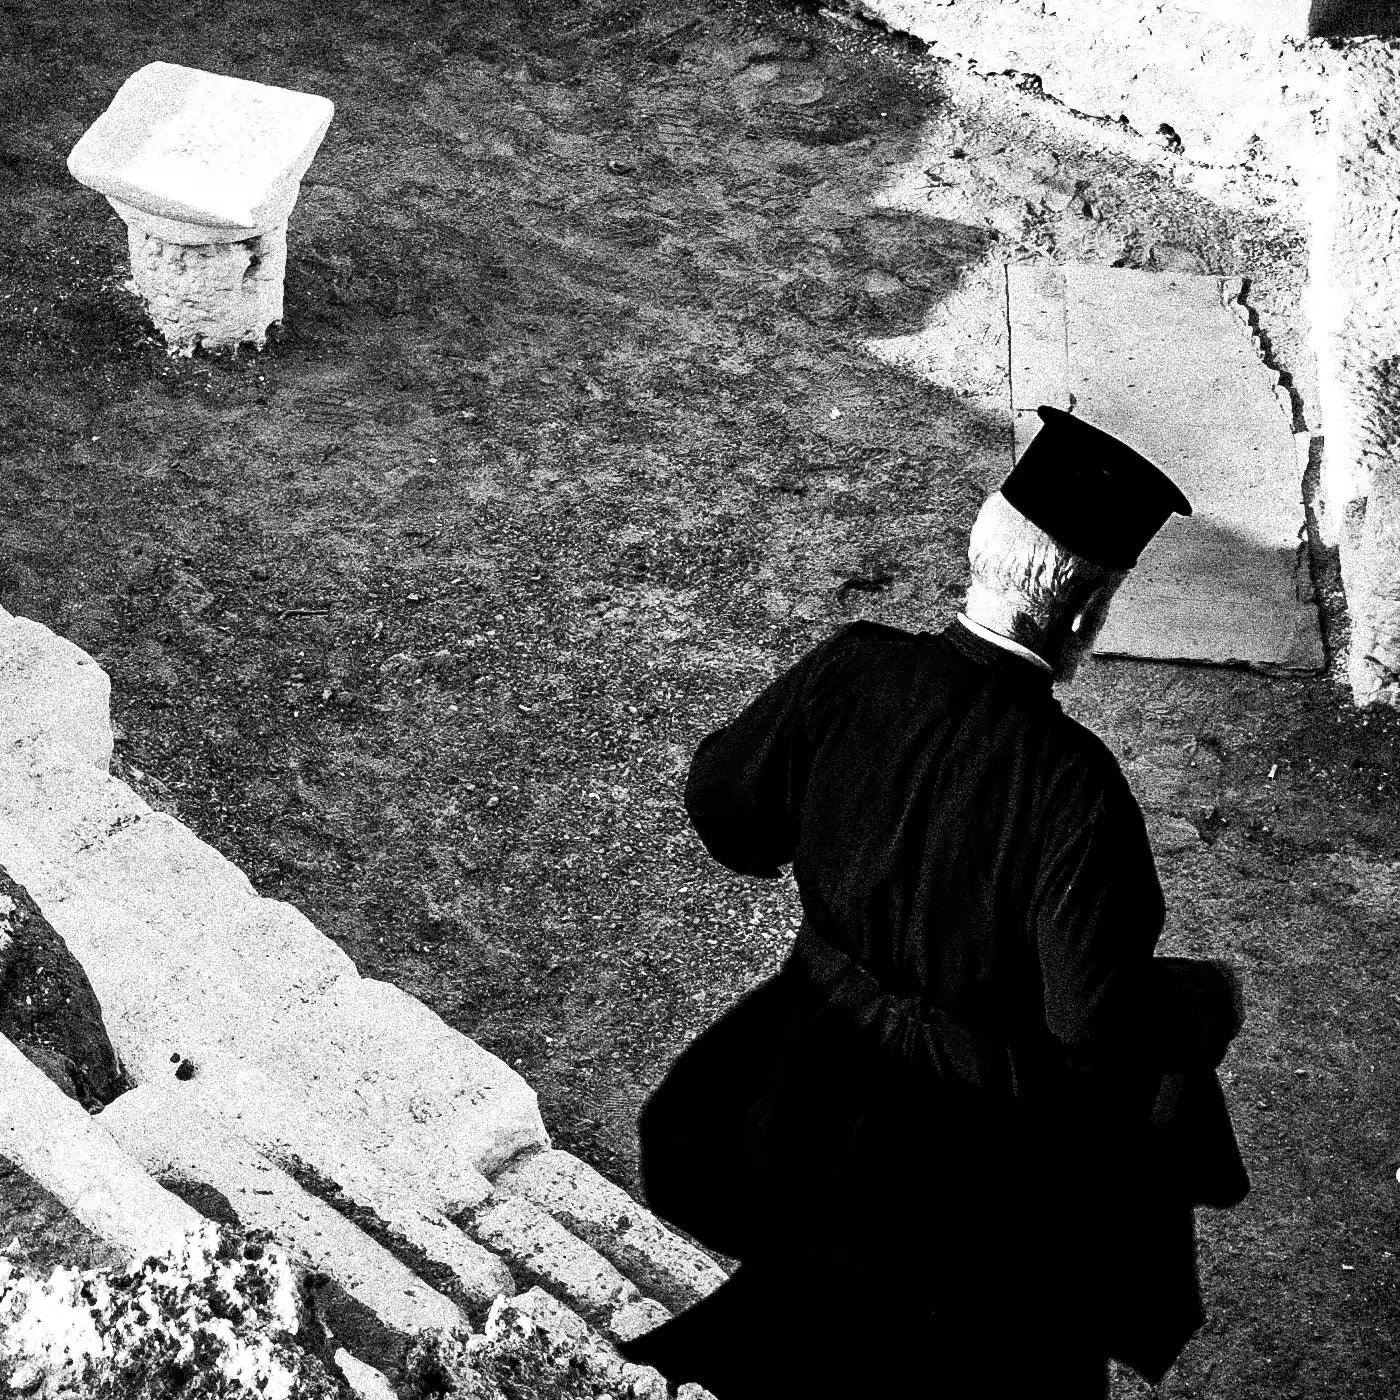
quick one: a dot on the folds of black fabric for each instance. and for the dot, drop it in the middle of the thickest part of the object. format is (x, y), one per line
(973, 1080)
(834, 1334)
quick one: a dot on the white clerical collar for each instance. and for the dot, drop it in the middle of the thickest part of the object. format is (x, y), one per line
(1005, 643)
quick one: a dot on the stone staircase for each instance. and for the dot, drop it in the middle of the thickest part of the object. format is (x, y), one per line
(279, 1089)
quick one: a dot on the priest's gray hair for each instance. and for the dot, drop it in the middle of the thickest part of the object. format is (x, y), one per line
(1023, 581)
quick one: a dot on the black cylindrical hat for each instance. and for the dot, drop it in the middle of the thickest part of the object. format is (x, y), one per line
(1090, 492)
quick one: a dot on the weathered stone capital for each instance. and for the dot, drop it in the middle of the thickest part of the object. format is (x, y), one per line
(205, 170)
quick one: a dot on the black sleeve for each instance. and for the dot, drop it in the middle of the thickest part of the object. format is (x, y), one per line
(1098, 915)
(744, 791)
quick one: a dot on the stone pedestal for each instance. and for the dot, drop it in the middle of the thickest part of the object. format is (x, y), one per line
(205, 170)
(209, 294)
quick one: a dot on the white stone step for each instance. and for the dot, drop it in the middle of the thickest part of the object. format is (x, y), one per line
(661, 1264)
(178, 1140)
(67, 1152)
(571, 1335)
(538, 1247)
(186, 958)
(51, 693)
(290, 1058)
(287, 1130)
(250, 976)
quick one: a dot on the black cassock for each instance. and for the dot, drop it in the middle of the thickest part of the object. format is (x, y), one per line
(972, 1104)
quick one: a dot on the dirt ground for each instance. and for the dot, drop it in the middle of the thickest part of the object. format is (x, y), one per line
(573, 436)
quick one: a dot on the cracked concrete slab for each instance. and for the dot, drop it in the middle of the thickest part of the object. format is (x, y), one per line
(1168, 362)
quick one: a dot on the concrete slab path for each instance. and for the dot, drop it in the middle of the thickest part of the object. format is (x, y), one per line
(1168, 362)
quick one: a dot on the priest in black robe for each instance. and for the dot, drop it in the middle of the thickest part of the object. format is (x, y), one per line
(957, 1141)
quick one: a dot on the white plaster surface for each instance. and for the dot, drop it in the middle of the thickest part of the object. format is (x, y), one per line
(1167, 362)
(1233, 80)
(1354, 201)
(53, 1139)
(204, 149)
(176, 1139)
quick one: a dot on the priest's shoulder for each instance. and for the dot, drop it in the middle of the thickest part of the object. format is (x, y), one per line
(858, 644)
(865, 635)
(1083, 761)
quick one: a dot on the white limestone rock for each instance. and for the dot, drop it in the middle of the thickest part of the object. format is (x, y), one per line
(125, 1332)
(636, 1318)
(542, 1347)
(536, 1312)
(209, 294)
(289, 1131)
